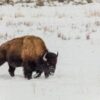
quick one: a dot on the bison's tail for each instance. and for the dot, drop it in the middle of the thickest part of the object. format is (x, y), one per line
(2, 57)
(2, 61)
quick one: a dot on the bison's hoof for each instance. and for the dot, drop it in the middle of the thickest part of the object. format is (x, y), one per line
(12, 74)
(46, 75)
(28, 77)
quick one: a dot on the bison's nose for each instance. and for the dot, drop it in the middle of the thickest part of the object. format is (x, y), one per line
(51, 73)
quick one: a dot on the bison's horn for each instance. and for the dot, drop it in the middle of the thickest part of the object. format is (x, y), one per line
(57, 54)
(44, 57)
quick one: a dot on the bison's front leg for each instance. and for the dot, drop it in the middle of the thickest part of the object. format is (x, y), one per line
(27, 70)
(11, 70)
(27, 73)
(46, 72)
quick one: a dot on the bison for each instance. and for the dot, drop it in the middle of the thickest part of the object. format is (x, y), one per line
(31, 53)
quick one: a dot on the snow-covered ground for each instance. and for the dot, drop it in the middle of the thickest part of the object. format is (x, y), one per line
(73, 31)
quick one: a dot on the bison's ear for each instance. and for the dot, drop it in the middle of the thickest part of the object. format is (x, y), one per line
(44, 57)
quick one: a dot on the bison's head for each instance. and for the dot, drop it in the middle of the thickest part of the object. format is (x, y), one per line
(51, 60)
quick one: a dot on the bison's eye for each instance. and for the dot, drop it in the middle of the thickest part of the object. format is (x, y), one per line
(53, 62)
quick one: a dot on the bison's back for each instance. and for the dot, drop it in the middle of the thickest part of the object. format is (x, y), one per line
(33, 48)
(26, 47)
(12, 45)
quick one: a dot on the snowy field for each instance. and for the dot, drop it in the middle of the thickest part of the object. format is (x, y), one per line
(73, 31)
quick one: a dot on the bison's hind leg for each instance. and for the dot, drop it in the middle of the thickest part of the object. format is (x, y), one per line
(2, 61)
(11, 70)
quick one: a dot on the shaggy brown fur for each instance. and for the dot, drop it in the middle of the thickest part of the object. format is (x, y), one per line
(33, 48)
(23, 51)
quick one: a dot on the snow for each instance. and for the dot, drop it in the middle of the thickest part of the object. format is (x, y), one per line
(73, 31)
